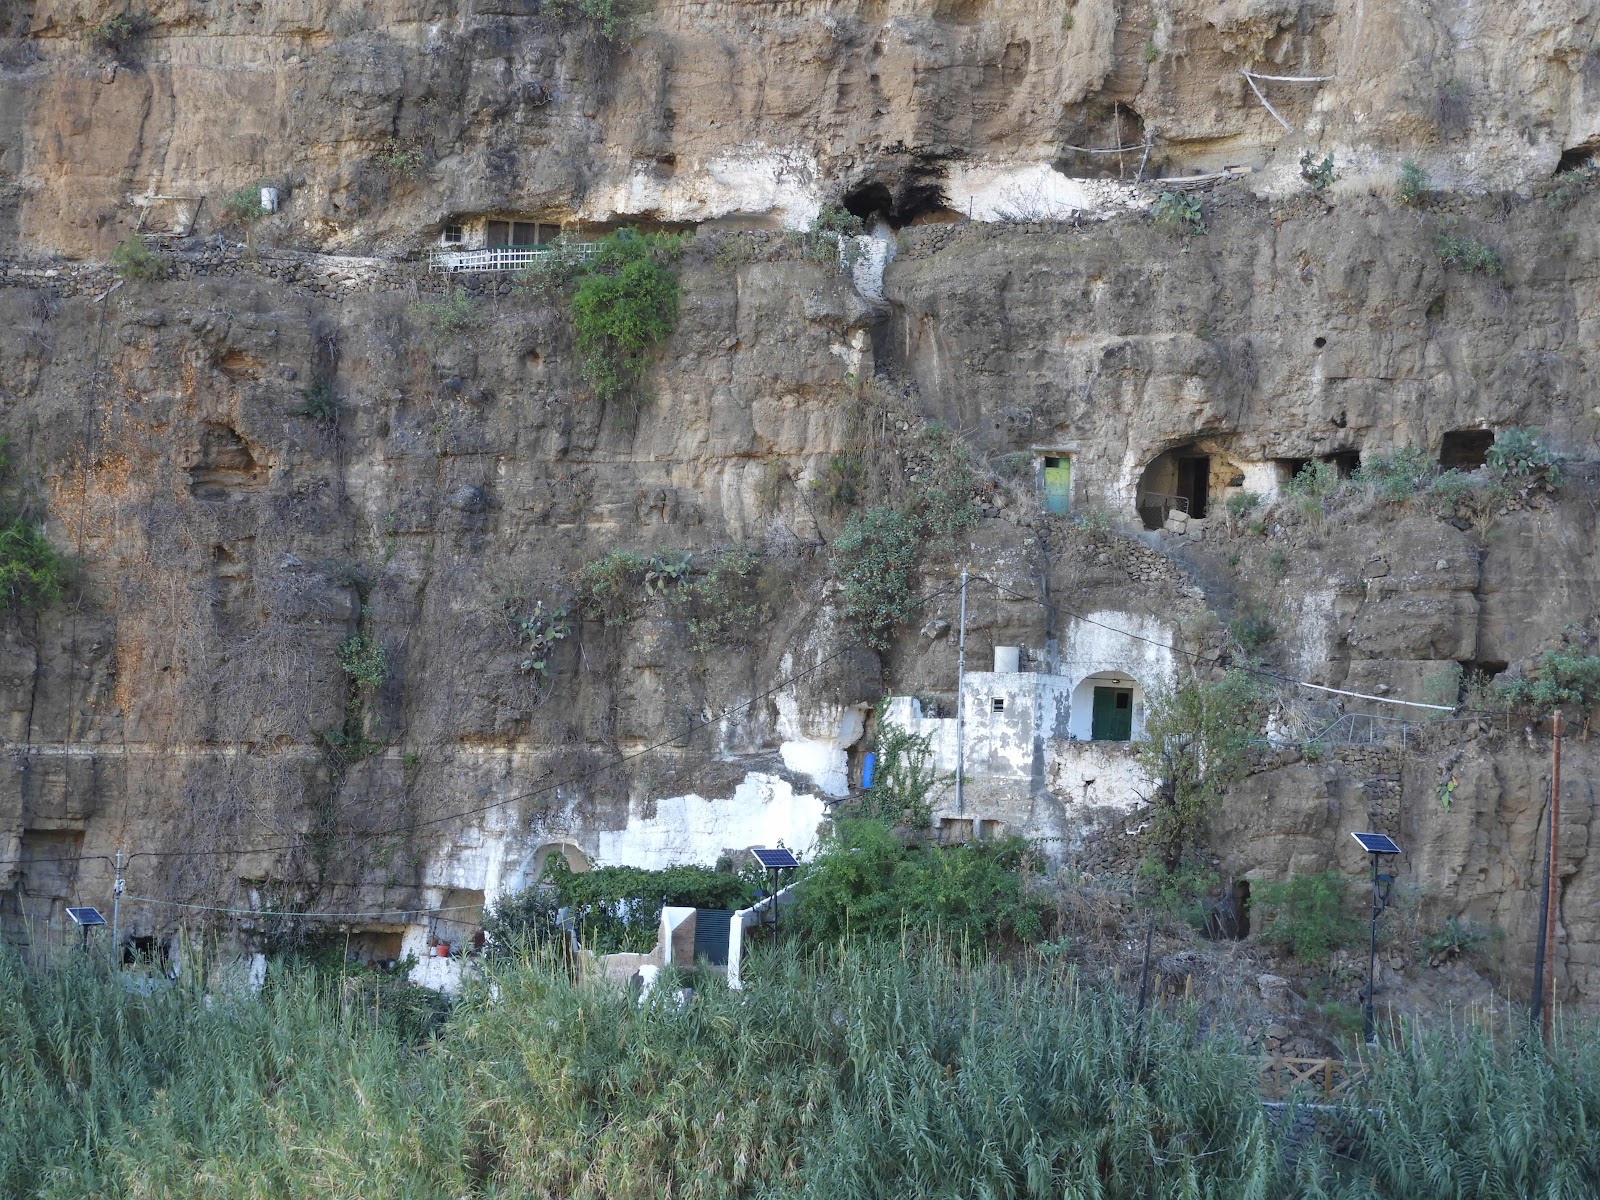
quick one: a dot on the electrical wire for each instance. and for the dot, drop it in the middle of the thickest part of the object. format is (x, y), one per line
(1201, 659)
(545, 789)
(320, 916)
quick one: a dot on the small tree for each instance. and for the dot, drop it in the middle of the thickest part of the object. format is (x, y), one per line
(907, 780)
(1198, 743)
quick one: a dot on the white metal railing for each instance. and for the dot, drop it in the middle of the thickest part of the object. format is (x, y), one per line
(506, 258)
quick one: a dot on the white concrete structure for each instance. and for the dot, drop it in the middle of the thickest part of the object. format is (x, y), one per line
(1030, 762)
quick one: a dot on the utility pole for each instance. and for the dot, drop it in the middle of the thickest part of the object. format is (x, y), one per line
(961, 679)
(116, 906)
(1552, 874)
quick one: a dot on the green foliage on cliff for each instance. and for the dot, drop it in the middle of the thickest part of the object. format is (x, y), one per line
(1561, 679)
(1470, 255)
(614, 18)
(624, 306)
(32, 573)
(1199, 738)
(907, 780)
(875, 560)
(363, 658)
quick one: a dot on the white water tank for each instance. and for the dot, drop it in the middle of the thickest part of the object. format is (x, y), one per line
(269, 199)
(1007, 660)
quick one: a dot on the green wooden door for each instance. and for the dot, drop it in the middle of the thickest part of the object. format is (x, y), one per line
(1058, 485)
(1113, 714)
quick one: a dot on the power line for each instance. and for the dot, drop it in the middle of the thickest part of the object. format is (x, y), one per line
(320, 916)
(694, 725)
(1202, 659)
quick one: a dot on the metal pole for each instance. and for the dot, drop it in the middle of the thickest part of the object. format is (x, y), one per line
(1372, 957)
(116, 906)
(1550, 882)
(961, 679)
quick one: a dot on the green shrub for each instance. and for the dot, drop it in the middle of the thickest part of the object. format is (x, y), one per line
(1571, 186)
(827, 239)
(609, 588)
(1181, 892)
(136, 262)
(615, 19)
(939, 498)
(1316, 481)
(1253, 630)
(1199, 739)
(400, 158)
(725, 601)
(1178, 214)
(906, 782)
(33, 574)
(454, 312)
(1412, 186)
(540, 632)
(866, 883)
(1240, 503)
(1307, 916)
(243, 205)
(875, 559)
(363, 658)
(1561, 679)
(841, 482)
(1518, 455)
(1456, 938)
(1469, 255)
(624, 306)
(1319, 174)
(618, 909)
(1452, 488)
(319, 404)
(113, 34)
(1397, 475)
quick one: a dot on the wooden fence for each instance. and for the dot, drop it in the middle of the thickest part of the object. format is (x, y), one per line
(1332, 1077)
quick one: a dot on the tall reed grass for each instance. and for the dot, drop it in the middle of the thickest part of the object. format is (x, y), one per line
(851, 1072)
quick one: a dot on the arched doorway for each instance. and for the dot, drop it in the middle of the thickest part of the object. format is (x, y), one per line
(1107, 706)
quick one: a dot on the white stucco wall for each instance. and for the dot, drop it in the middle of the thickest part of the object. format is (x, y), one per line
(1090, 779)
(987, 190)
(1129, 644)
(762, 811)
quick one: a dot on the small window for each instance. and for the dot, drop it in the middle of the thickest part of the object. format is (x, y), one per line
(998, 704)
(1465, 449)
(454, 235)
(1124, 699)
(989, 830)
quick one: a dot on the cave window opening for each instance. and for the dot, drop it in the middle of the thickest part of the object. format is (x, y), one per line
(1179, 481)
(1320, 342)
(1289, 469)
(1230, 915)
(1346, 462)
(988, 831)
(898, 207)
(453, 235)
(1576, 158)
(997, 705)
(1465, 449)
(1477, 675)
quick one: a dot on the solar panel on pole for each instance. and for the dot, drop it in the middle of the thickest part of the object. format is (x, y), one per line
(776, 860)
(1377, 843)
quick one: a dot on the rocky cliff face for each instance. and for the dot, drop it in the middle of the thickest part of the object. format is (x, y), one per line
(189, 700)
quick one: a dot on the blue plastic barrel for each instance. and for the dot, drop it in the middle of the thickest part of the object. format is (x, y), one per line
(869, 764)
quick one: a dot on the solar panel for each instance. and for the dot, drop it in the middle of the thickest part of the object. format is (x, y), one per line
(776, 859)
(1376, 843)
(86, 916)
